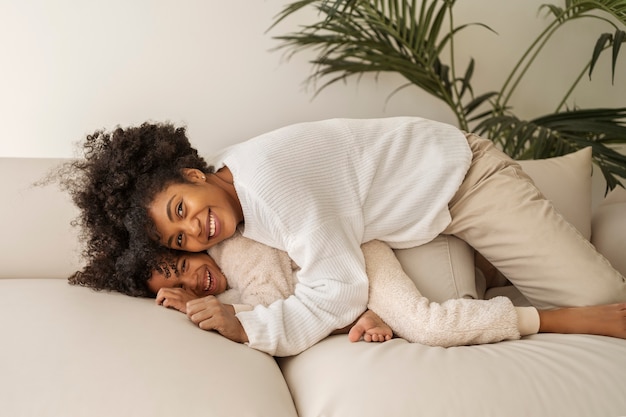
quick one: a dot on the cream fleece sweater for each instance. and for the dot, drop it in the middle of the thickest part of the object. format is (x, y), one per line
(259, 274)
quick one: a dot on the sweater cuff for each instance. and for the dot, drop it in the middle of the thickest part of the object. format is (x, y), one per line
(242, 307)
(527, 320)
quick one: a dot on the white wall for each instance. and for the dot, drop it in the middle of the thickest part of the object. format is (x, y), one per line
(68, 67)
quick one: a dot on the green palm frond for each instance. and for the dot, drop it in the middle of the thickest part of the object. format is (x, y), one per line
(615, 8)
(604, 41)
(361, 36)
(576, 8)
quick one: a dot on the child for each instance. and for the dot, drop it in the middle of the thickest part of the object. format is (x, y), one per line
(195, 275)
(259, 274)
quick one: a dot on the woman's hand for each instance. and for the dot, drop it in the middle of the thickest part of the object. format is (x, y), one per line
(210, 314)
(176, 298)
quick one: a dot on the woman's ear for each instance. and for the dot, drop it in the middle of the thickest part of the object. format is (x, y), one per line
(194, 175)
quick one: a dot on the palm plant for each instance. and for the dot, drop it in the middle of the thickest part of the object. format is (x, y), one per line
(416, 40)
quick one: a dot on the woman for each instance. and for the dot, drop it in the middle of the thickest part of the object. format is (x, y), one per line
(319, 190)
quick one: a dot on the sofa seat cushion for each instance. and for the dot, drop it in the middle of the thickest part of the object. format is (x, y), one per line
(544, 375)
(70, 351)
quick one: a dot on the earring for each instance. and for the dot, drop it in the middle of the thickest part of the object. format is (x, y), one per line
(203, 177)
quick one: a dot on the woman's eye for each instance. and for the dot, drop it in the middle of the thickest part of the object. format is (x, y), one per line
(179, 240)
(179, 209)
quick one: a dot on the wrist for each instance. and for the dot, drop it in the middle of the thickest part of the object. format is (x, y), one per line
(556, 321)
(243, 338)
(230, 308)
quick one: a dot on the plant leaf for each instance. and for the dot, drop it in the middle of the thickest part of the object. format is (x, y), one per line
(476, 102)
(620, 36)
(558, 12)
(597, 50)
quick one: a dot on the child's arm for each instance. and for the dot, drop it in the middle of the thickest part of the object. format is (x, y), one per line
(395, 298)
(261, 274)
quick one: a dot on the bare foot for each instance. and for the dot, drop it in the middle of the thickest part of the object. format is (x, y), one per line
(371, 328)
(604, 320)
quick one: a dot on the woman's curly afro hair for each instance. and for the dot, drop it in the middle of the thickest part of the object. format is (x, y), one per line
(112, 185)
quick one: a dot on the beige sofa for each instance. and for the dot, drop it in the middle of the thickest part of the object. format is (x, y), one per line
(70, 352)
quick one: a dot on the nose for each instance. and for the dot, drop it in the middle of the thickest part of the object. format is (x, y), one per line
(193, 227)
(188, 280)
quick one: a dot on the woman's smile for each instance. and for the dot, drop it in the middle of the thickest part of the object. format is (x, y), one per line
(211, 224)
(195, 215)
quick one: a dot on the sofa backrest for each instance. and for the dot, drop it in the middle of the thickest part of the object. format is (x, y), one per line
(38, 240)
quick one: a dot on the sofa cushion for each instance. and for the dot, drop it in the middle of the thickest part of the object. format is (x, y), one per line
(70, 351)
(609, 228)
(540, 376)
(442, 269)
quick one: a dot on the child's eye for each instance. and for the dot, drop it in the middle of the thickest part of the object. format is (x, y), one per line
(184, 267)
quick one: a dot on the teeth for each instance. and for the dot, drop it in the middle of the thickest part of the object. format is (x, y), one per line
(211, 226)
(207, 281)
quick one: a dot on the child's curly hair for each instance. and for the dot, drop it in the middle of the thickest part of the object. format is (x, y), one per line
(112, 185)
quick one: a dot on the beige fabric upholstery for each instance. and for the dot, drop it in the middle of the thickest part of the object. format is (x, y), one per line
(442, 269)
(544, 375)
(72, 352)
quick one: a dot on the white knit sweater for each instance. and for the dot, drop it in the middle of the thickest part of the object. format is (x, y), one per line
(259, 274)
(319, 190)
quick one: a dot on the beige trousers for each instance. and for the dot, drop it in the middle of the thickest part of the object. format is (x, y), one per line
(499, 211)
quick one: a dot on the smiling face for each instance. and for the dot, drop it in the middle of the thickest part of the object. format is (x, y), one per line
(195, 272)
(195, 216)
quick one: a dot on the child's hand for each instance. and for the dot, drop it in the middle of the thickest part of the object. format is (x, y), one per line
(176, 298)
(210, 314)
